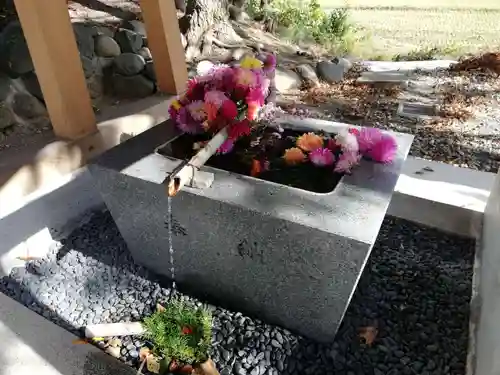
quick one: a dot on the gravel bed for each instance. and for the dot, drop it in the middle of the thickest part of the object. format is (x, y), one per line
(415, 292)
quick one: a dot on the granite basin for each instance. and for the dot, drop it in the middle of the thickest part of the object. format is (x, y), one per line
(287, 256)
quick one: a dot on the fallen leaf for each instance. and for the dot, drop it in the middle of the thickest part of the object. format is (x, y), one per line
(368, 334)
(160, 308)
(153, 364)
(115, 343)
(80, 342)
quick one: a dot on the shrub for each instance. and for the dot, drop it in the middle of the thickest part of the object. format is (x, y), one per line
(307, 22)
(180, 332)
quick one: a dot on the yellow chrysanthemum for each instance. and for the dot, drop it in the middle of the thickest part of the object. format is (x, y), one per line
(176, 105)
(309, 142)
(249, 62)
(294, 155)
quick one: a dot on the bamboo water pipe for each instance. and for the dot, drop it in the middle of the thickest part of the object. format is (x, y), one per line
(186, 173)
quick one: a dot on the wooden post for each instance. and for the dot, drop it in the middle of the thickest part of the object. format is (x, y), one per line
(52, 45)
(164, 40)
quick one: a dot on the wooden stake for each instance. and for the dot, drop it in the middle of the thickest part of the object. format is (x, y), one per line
(51, 42)
(186, 174)
(164, 40)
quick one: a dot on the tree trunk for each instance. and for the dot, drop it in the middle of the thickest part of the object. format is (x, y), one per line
(207, 22)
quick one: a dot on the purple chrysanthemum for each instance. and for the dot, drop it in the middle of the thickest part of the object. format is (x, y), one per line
(226, 147)
(367, 138)
(197, 110)
(186, 122)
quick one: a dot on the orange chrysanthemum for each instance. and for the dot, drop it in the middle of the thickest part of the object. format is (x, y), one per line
(309, 141)
(294, 155)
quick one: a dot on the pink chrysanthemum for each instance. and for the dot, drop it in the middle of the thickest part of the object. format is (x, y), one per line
(367, 138)
(186, 122)
(321, 157)
(197, 110)
(256, 95)
(347, 141)
(215, 97)
(346, 162)
(226, 147)
(385, 150)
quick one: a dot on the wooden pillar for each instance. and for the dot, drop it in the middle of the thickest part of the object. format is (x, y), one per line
(164, 40)
(52, 45)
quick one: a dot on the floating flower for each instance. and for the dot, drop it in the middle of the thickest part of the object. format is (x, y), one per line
(186, 123)
(347, 141)
(354, 131)
(249, 62)
(229, 110)
(385, 150)
(294, 155)
(226, 147)
(321, 157)
(239, 129)
(197, 110)
(346, 162)
(309, 141)
(367, 138)
(269, 61)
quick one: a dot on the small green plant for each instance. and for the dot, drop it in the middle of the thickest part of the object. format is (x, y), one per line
(180, 332)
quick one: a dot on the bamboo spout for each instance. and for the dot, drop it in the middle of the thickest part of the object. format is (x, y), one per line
(186, 173)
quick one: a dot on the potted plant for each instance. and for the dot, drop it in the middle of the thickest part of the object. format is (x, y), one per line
(181, 337)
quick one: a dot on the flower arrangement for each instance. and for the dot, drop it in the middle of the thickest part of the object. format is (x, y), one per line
(344, 151)
(229, 96)
(234, 98)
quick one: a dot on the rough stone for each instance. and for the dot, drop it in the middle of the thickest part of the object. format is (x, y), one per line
(5, 86)
(27, 106)
(7, 118)
(265, 286)
(129, 64)
(15, 57)
(84, 35)
(149, 71)
(343, 62)
(105, 46)
(330, 72)
(145, 53)
(129, 41)
(31, 83)
(286, 80)
(136, 26)
(88, 66)
(183, 41)
(132, 86)
(308, 74)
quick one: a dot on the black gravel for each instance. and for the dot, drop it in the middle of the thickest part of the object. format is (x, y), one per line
(415, 291)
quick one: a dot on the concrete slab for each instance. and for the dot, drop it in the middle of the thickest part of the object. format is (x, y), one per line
(485, 312)
(386, 66)
(383, 79)
(417, 111)
(33, 345)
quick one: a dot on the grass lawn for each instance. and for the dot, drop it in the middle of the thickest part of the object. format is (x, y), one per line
(453, 27)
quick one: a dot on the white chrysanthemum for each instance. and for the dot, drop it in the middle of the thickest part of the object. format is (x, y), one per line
(347, 141)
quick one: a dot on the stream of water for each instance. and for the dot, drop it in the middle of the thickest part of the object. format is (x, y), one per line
(170, 244)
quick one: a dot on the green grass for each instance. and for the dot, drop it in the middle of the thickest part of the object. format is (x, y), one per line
(388, 29)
